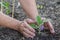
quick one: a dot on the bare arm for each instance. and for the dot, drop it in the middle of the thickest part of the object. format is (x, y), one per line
(30, 8)
(8, 21)
(22, 27)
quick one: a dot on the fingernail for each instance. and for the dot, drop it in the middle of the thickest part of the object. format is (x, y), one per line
(32, 20)
(52, 31)
(34, 34)
(33, 30)
(32, 37)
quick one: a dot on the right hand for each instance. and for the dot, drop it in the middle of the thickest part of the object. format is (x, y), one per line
(48, 25)
(26, 29)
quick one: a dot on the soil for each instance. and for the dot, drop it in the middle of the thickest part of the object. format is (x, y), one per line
(51, 10)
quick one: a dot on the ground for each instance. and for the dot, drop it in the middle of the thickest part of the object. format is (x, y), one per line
(51, 9)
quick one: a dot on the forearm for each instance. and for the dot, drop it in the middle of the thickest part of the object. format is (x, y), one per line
(30, 8)
(9, 22)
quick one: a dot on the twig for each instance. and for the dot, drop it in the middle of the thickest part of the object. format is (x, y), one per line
(1, 6)
(13, 8)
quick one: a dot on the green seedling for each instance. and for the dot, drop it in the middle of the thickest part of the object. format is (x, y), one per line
(40, 6)
(39, 22)
(6, 6)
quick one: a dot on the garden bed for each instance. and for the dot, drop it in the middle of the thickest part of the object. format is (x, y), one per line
(50, 9)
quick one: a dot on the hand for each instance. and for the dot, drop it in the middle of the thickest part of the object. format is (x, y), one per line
(27, 30)
(49, 26)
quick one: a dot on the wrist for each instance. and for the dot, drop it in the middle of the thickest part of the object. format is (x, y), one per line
(18, 26)
(35, 17)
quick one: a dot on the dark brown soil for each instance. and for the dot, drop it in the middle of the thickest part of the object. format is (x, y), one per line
(51, 9)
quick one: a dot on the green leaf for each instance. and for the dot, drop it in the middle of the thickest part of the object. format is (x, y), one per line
(33, 26)
(7, 11)
(40, 6)
(6, 5)
(1, 4)
(39, 20)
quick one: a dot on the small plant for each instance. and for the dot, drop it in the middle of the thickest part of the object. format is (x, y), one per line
(6, 6)
(40, 6)
(40, 22)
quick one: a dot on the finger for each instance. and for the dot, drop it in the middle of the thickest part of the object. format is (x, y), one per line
(29, 32)
(29, 27)
(30, 21)
(27, 35)
(49, 26)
